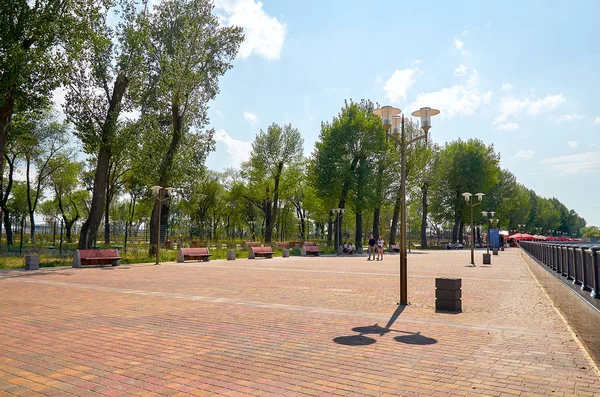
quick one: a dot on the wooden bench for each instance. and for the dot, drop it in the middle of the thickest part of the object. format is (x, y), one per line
(394, 248)
(248, 244)
(200, 254)
(266, 252)
(298, 244)
(96, 257)
(310, 248)
(283, 244)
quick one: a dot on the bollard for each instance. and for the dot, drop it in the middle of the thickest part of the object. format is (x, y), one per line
(487, 259)
(448, 294)
(231, 255)
(495, 251)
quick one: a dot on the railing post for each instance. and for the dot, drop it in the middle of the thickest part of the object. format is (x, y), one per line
(579, 263)
(596, 274)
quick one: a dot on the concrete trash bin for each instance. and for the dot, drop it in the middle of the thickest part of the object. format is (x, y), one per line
(487, 259)
(285, 253)
(32, 262)
(448, 294)
(231, 255)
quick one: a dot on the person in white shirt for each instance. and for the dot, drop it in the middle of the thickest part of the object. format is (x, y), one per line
(380, 248)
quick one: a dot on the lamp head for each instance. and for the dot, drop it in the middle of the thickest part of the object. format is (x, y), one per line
(397, 125)
(480, 196)
(425, 115)
(386, 113)
(493, 213)
(484, 213)
(467, 196)
(155, 190)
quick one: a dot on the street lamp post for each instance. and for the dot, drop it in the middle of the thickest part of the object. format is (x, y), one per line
(521, 227)
(392, 118)
(471, 204)
(489, 216)
(157, 192)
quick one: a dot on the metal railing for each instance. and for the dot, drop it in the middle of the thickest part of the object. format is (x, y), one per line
(576, 262)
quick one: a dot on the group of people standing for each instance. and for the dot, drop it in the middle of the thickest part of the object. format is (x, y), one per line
(375, 246)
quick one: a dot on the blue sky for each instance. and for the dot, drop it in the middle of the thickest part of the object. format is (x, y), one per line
(520, 75)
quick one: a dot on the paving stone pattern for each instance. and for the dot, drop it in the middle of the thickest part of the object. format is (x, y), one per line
(286, 327)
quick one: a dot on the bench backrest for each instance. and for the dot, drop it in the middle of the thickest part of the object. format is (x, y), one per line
(261, 250)
(311, 248)
(309, 243)
(283, 244)
(195, 251)
(252, 244)
(107, 253)
(296, 243)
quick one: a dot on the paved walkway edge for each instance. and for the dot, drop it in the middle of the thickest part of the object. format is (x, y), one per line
(581, 319)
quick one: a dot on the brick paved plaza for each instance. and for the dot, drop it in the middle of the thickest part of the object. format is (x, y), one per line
(294, 326)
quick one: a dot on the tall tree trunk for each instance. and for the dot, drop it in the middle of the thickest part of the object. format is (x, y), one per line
(68, 227)
(358, 237)
(8, 227)
(106, 213)
(395, 218)
(6, 111)
(30, 204)
(424, 190)
(376, 214)
(165, 168)
(5, 195)
(330, 230)
(270, 219)
(89, 230)
(379, 187)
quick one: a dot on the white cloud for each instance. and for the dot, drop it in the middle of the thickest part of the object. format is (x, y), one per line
(459, 44)
(510, 106)
(597, 120)
(458, 100)
(569, 117)
(397, 85)
(461, 70)
(508, 127)
(251, 118)
(524, 154)
(238, 150)
(572, 144)
(264, 35)
(506, 87)
(574, 164)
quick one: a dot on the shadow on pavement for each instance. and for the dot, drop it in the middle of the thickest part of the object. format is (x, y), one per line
(411, 338)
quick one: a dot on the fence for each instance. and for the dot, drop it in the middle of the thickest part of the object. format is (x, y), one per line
(569, 273)
(577, 263)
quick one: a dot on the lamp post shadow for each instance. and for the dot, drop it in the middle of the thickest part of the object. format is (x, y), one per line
(411, 338)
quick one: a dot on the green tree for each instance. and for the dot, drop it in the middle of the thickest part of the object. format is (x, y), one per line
(345, 152)
(34, 39)
(464, 166)
(40, 147)
(68, 197)
(188, 50)
(273, 152)
(97, 86)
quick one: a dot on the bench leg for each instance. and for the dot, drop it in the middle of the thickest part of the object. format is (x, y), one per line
(205, 259)
(116, 262)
